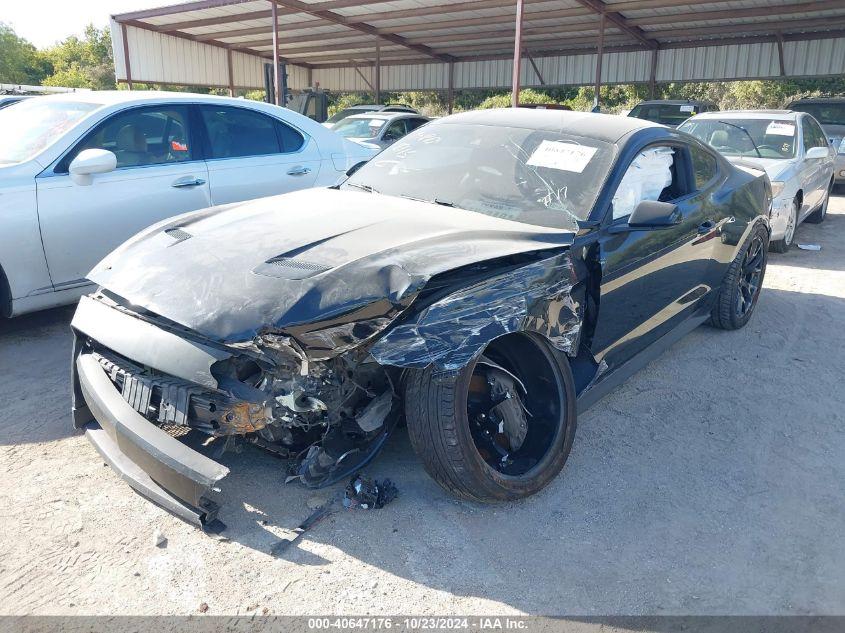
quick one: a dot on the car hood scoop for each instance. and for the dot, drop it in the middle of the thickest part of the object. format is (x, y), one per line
(305, 257)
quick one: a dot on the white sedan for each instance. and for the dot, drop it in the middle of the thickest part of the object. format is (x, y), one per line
(793, 150)
(81, 173)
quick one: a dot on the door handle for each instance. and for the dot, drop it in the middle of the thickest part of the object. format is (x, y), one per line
(299, 171)
(188, 182)
(706, 227)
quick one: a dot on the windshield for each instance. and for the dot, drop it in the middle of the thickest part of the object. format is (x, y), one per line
(539, 177)
(747, 138)
(359, 128)
(824, 113)
(33, 124)
(339, 116)
(664, 113)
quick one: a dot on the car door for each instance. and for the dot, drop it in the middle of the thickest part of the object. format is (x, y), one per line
(810, 168)
(824, 166)
(652, 279)
(252, 155)
(159, 174)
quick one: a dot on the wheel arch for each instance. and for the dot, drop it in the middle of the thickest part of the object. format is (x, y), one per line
(5, 295)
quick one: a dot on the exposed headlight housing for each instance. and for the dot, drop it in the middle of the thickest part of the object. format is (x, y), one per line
(777, 188)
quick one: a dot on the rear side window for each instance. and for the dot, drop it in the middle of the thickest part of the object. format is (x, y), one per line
(238, 132)
(704, 166)
(291, 140)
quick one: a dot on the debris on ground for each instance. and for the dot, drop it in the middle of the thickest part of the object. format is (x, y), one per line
(361, 492)
(365, 493)
(810, 247)
(203, 608)
(159, 539)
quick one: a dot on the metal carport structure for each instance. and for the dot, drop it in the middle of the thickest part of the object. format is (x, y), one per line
(448, 45)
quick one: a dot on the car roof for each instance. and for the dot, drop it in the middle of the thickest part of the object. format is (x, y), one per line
(674, 102)
(603, 127)
(385, 116)
(783, 115)
(818, 100)
(113, 97)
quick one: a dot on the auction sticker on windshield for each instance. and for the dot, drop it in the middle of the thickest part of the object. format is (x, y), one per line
(562, 156)
(781, 129)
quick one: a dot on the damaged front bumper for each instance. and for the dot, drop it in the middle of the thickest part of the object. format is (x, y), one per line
(155, 464)
(152, 462)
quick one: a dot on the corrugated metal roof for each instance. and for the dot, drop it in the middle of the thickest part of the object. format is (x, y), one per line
(716, 39)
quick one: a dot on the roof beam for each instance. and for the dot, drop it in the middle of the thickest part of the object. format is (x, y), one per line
(774, 26)
(600, 8)
(731, 14)
(352, 23)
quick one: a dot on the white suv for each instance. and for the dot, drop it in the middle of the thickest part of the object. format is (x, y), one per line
(81, 173)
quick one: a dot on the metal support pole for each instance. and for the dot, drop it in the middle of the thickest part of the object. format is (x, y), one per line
(126, 56)
(277, 79)
(377, 78)
(597, 98)
(517, 53)
(450, 94)
(780, 55)
(231, 74)
(652, 79)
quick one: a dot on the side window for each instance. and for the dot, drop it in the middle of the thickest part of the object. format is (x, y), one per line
(808, 134)
(139, 137)
(238, 132)
(292, 141)
(652, 175)
(704, 166)
(413, 124)
(818, 133)
(395, 131)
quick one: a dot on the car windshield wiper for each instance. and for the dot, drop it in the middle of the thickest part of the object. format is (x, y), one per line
(750, 138)
(367, 188)
(443, 203)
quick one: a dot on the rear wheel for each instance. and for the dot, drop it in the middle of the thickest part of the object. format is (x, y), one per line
(818, 216)
(741, 286)
(500, 428)
(783, 245)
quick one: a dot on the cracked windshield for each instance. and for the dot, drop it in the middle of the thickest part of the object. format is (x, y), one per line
(538, 177)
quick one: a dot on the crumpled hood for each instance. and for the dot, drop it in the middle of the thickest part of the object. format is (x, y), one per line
(230, 273)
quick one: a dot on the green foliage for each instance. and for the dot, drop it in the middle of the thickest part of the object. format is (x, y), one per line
(340, 101)
(20, 61)
(503, 99)
(82, 62)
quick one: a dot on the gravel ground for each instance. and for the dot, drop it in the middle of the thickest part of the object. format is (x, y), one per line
(710, 483)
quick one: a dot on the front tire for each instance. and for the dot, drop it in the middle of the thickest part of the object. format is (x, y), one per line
(741, 286)
(468, 446)
(783, 245)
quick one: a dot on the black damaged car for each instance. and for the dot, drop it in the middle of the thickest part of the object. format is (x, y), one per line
(484, 279)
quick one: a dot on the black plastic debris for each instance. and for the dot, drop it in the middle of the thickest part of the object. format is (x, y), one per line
(365, 493)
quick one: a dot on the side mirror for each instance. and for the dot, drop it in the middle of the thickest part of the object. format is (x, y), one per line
(89, 162)
(817, 152)
(651, 214)
(355, 168)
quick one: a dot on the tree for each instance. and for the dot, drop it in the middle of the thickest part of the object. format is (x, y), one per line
(20, 62)
(82, 63)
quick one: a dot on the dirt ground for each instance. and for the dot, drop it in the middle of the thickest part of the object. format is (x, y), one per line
(710, 483)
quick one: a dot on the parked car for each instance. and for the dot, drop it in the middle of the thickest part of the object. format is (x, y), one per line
(7, 100)
(793, 150)
(81, 173)
(490, 275)
(365, 108)
(830, 113)
(377, 131)
(670, 112)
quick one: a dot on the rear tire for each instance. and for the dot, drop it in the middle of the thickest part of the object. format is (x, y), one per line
(741, 286)
(818, 216)
(446, 437)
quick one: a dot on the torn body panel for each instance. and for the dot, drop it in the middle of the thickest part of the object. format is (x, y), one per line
(539, 297)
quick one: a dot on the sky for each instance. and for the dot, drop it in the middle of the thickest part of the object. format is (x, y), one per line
(49, 21)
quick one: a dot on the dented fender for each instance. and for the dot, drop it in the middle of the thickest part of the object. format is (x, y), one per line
(545, 297)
